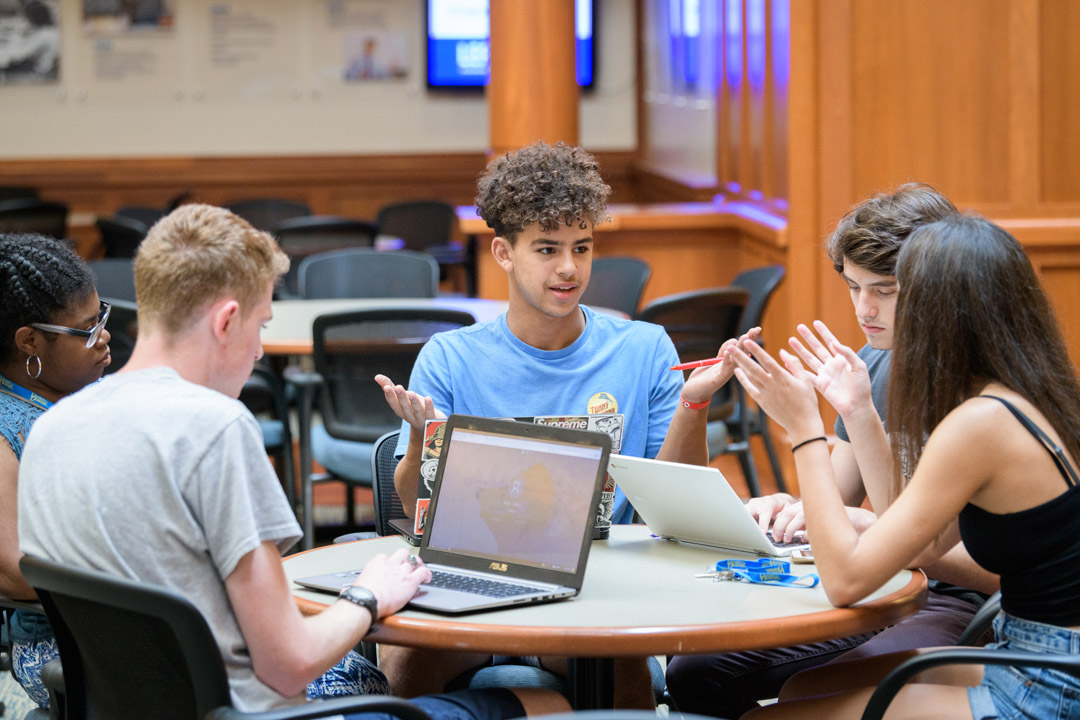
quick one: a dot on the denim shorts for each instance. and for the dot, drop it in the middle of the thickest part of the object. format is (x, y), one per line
(1012, 693)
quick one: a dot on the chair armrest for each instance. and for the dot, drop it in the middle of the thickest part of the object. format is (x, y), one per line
(302, 378)
(895, 680)
(981, 621)
(329, 708)
(52, 677)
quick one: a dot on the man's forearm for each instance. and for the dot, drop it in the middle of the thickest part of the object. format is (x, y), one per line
(685, 439)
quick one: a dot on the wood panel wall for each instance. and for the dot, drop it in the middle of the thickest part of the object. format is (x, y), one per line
(352, 186)
(972, 96)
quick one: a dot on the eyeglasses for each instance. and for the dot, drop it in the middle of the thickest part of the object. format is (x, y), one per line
(91, 335)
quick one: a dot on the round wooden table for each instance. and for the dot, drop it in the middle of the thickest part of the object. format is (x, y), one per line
(640, 598)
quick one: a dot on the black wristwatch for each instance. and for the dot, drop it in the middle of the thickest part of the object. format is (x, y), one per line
(362, 597)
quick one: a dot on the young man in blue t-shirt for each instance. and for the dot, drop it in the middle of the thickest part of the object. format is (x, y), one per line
(549, 355)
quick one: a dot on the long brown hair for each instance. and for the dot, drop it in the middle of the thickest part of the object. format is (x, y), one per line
(971, 311)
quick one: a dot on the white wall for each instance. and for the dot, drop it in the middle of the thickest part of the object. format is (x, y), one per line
(290, 101)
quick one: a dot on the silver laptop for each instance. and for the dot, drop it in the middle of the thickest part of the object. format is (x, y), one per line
(694, 504)
(511, 515)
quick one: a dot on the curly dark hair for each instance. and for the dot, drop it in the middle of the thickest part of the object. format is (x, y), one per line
(39, 278)
(871, 233)
(541, 184)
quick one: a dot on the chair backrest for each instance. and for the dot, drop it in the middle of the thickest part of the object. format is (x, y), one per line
(760, 283)
(368, 273)
(121, 235)
(123, 327)
(30, 215)
(13, 192)
(420, 223)
(350, 348)
(146, 215)
(115, 278)
(698, 323)
(617, 283)
(304, 236)
(383, 463)
(267, 213)
(129, 649)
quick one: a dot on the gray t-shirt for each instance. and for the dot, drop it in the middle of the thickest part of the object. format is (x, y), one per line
(878, 364)
(154, 478)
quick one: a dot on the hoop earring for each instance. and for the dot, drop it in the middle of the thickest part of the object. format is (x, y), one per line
(36, 375)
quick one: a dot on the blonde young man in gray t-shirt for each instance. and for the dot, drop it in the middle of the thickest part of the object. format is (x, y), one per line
(159, 474)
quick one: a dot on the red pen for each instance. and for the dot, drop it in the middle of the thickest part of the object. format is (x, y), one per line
(697, 364)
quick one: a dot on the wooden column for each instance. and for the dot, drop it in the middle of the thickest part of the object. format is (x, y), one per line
(533, 94)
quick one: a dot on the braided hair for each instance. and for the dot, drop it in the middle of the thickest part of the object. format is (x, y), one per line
(39, 278)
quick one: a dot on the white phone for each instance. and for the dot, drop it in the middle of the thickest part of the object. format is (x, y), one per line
(802, 556)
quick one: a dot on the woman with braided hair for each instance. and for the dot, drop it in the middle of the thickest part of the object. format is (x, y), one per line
(52, 342)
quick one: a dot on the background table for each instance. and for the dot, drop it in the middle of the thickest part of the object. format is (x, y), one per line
(289, 332)
(640, 598)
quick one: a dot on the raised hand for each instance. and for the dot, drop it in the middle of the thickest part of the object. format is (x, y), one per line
(838, 373)
(705, 381)
(411, 407)
(786, 395)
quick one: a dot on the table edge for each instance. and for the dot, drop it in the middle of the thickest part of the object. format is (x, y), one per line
(451, 634)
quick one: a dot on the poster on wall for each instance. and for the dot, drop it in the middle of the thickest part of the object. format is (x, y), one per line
(366, 43)
(29, 41)
(252, 51)
(122, 16)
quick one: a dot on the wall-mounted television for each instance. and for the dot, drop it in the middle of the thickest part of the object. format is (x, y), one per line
(459, 50)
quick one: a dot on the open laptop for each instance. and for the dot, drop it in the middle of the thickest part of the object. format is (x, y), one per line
(694, 504)
(511, 515)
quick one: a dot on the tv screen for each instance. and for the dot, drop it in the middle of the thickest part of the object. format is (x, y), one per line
(459, 51)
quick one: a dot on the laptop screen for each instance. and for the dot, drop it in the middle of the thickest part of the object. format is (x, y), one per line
(515, 499)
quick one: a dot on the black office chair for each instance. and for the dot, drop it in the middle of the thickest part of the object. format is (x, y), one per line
(900, 675)
(387, 501)
(368, 273)
(123, 327)
(304, 236)
(115, 277)
(349, 349)
(267, 213)
(699, 322)
(13, 192)
(428, 226)
(31, 215)
(617, 283)
(264, 396)
(146, 215)
(761, 283)
(121, 235)
(131, 650)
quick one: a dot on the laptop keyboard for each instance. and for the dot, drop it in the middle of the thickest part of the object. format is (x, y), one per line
(798, 542)
(477, 586)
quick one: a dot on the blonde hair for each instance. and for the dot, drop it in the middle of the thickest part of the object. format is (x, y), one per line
(198, 254)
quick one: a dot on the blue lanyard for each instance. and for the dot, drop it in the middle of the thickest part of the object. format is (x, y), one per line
(23, 394)
(765, 572)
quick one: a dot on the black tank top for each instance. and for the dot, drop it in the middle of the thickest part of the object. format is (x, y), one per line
(1036, 551)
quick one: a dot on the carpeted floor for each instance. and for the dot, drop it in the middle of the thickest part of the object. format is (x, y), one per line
(16, 703)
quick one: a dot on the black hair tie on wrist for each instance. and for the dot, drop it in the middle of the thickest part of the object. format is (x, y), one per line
(807, 442)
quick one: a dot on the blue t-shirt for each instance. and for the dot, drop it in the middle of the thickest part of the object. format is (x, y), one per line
(615, 366)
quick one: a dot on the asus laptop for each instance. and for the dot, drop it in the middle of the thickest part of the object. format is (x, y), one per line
(511, 516)
(693, 504)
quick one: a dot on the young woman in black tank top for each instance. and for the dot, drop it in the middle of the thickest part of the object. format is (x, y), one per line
(985, 406)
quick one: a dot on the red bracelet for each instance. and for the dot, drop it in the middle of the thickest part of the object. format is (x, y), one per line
(692, 405)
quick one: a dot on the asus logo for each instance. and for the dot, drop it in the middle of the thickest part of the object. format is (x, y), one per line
(498, 566)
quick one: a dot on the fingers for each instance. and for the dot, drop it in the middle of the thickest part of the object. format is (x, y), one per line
(812, 361)
(816, 346)
(792, 363)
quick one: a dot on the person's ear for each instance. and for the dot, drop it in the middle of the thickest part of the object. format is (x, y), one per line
(27, 340)
(223, 315)
(500, 248)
